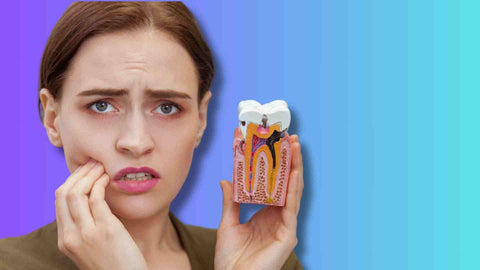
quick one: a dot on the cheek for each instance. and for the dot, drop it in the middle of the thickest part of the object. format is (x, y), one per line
(175, 145)
(80, 142)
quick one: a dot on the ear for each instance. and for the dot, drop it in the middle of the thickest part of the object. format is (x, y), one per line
(50, 116)
(202, 115)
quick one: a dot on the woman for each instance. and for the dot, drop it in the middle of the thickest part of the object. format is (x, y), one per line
(125, 85)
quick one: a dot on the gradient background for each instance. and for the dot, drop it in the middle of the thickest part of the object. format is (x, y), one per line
(384, 97)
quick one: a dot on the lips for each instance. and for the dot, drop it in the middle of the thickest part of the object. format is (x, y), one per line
(128, 170)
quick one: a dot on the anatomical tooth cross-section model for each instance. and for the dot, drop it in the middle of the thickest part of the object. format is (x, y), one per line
(261, 153)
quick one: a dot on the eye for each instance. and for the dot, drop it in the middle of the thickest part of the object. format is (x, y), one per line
(167, 108)
(100, 106)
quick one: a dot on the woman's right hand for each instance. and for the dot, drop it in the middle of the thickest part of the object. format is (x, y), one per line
(88, 232)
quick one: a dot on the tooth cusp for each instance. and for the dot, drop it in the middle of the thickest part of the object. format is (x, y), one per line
(266, 115)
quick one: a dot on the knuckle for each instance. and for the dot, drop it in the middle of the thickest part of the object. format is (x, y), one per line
(92, 200)
(70, 243)
(61, 247)
(59, 193)
(72, 196)
(88, 235)
(295, 242)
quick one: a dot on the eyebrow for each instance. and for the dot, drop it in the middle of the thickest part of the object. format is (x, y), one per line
(161, 93)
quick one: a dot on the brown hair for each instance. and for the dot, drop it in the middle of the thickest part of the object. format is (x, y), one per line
(83, 20)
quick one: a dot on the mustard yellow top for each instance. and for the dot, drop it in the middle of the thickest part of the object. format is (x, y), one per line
(38, 250)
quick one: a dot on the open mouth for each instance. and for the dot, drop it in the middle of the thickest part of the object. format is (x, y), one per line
(136, 174)
(136, 177)
(136, 180)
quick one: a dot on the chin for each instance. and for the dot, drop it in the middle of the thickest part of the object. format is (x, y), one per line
(133, 207)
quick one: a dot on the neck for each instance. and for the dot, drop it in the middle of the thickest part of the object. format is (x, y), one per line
(153, 235)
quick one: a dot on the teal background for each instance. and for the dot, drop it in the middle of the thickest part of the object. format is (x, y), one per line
(384, 97)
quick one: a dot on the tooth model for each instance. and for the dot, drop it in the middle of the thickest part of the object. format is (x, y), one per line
(261, 153)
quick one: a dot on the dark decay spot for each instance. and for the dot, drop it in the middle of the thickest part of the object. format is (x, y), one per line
(275, 137)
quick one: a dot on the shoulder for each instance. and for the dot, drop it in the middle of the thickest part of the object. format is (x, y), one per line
(203, 241)
(35, 250)
(205, 236)
(199, 243)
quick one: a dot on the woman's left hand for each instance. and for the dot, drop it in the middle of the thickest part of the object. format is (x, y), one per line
(268, 238)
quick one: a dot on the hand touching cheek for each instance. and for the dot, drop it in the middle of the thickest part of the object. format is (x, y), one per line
(88, 232)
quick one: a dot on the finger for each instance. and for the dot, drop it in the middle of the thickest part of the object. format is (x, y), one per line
(85, 186)
(77, 197)
(297, 163)
(98, 205)
(62, 212)
(60, 230)
(231, 209)
(299, 202)
(62, 218)
(289, 212)
(299, 168)
(293, 138)
(77, 174)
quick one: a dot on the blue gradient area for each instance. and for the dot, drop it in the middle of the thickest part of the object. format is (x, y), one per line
(384, 98)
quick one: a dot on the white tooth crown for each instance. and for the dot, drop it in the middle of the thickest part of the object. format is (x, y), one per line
(137, 175)
(250, 111)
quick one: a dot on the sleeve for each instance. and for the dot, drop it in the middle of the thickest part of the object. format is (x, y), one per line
(28, 252)
(10, 257)
(292, 263)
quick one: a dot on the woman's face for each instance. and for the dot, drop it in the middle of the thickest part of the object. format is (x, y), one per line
(134, 127)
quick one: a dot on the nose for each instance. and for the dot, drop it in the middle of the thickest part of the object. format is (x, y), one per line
(135, 138)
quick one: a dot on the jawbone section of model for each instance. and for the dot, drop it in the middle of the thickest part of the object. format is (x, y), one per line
(262, 153)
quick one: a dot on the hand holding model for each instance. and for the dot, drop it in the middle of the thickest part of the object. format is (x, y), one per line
(88, 232)
(268, 238)
(268, 170)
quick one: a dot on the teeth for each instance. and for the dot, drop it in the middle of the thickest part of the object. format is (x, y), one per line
(137, 176)
(134, 175)
(250, 111)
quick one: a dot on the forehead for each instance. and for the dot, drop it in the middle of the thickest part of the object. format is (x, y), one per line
(134, 60)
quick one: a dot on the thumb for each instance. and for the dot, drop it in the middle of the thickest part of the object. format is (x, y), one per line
(231, 209)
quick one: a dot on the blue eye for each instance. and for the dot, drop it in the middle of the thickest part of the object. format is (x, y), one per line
(100, 106)
(167, 108)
